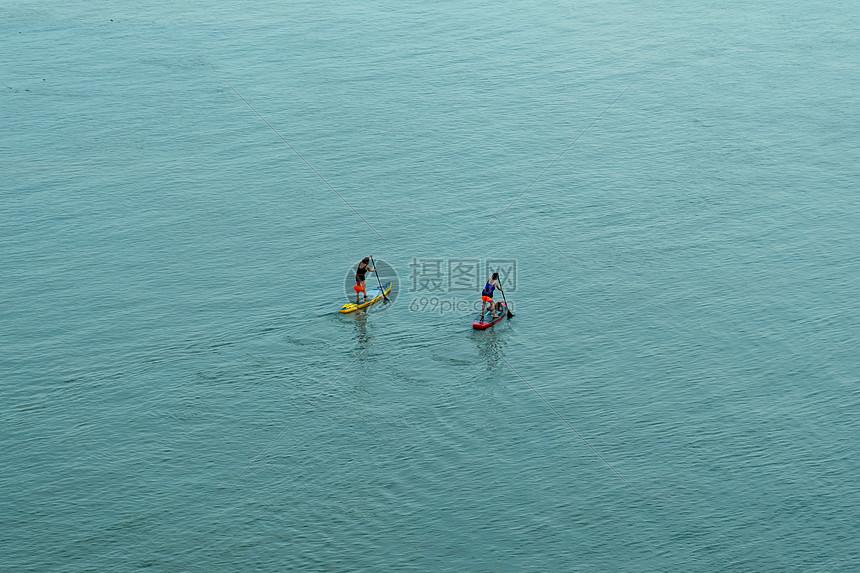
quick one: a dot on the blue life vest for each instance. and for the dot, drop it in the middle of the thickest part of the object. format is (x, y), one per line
(488, 289)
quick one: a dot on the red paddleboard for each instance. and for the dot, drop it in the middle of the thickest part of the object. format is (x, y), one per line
(489, 320)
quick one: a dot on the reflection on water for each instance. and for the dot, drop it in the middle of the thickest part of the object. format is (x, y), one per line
(490, 344)
(360, 327)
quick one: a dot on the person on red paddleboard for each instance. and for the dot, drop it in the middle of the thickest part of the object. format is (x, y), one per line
(363, 268)
(487, 295)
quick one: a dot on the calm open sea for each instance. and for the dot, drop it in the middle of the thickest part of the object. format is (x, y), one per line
(184, 188)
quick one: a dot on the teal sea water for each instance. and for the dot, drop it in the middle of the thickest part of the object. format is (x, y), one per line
(678, 390)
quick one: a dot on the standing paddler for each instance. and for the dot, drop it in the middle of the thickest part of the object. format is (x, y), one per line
(363, 268)
(487, 295)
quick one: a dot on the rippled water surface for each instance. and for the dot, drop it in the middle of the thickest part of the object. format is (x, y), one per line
(184, 189)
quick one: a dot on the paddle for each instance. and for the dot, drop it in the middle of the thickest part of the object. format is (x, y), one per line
(382, 290)
(510, 314)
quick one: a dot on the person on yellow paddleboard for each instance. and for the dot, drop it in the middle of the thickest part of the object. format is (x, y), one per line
(363, 268)
(487, 295)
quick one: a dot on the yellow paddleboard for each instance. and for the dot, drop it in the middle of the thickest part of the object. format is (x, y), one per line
(373, 296)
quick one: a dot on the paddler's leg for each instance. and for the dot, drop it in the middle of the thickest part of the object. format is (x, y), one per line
(363, 290)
